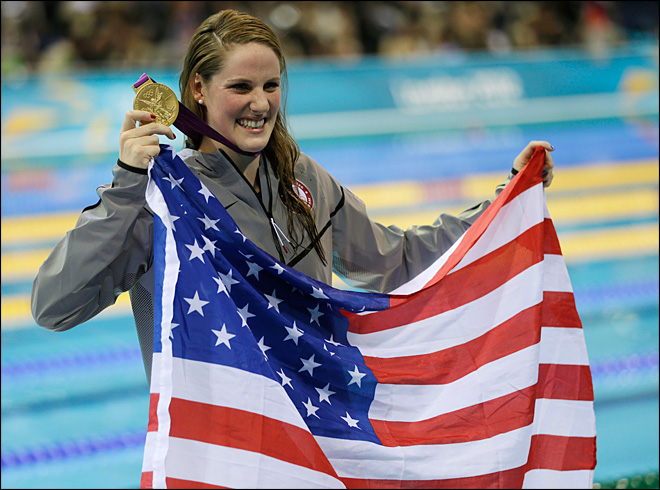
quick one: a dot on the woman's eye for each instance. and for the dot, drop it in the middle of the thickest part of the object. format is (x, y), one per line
(272, 86)
(240, 86)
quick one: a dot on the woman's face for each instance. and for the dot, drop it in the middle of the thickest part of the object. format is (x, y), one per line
(243, 99)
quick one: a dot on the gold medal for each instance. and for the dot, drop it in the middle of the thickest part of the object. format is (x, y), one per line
(158, 99)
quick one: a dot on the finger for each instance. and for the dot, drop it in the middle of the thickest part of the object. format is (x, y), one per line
(548, 161)
(148, 140)
(544, 144)
(150, 129)
(547, 180)
(135, 116)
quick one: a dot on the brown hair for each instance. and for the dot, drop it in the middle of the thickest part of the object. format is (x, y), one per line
(206, 54)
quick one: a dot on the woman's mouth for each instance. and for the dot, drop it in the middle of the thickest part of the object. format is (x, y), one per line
(251, 124)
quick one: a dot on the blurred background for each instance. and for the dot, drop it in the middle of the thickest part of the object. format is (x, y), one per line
(417, 107)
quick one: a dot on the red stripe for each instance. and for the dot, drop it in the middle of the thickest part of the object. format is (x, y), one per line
(565, 382)
(487, 419)
(546, 452)
(503, 479)
(153, 417)
(447, 365)
(562, 453)
(459, 288)
(146, 480)
(147, 477)
(559, 310)
(177, 483)
(550, 239)
(239, 429)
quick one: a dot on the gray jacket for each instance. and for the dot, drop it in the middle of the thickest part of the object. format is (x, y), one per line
(110, 249)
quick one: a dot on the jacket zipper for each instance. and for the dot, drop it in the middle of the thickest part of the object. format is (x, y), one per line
(274, 228)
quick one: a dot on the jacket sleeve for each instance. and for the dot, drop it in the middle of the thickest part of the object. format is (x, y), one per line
(103, 256)
(373, 257)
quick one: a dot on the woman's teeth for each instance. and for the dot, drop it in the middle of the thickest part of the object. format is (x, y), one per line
(247, 123)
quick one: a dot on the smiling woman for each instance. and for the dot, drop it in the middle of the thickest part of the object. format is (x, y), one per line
(232, 78)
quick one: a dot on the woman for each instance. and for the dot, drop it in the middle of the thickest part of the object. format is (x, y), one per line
(281, 199)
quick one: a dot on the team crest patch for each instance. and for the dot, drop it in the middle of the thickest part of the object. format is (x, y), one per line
(303, 193)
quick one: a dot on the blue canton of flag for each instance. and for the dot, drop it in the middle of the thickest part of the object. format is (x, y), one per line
(265, 377)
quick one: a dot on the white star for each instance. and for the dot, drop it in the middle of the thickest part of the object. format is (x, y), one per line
(244, 314)
(273, 302)
(247, 256)
(351, 422)
(311, 409)
(254, 269)
(223, 336)
(356, 377)
(278, 268)
(174, 218)
(196, 304)
(326, 349)
(285, 379)
(227, 280)
(263, 347)
(205, 192)
(209, 245)
(239, 232)
(209, 223)
(318, 293)
(221, 286)
(173, 181)
(331, 341)
(196, 252)
(325, 393)
(309, 365)
(172, 327)
(315, 315)
(294, 333)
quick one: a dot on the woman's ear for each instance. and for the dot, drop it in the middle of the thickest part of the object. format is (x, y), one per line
(197, 88)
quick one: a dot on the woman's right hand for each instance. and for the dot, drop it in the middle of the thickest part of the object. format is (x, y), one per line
(137, 145)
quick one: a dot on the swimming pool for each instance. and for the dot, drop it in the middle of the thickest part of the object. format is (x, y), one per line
(74, 404)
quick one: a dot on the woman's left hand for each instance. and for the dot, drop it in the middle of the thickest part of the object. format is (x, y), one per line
(523, 159)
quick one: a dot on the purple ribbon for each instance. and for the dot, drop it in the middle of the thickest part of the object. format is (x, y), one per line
(193, 126)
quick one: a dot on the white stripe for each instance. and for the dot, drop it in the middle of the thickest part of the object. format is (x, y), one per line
(238, 468)
(555, 277)
(360, 459)
(459, 325)
(546, 213)
(420, 280)
(412, 403)
(162, 366)
(569, 418)
(559, 479)
(226, 386)
(149, 447)
(563, 346)
(515, 218)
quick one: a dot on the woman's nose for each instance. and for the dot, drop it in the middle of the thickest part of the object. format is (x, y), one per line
(259, 102)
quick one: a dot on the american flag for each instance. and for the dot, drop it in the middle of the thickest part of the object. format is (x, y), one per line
(473, 375)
